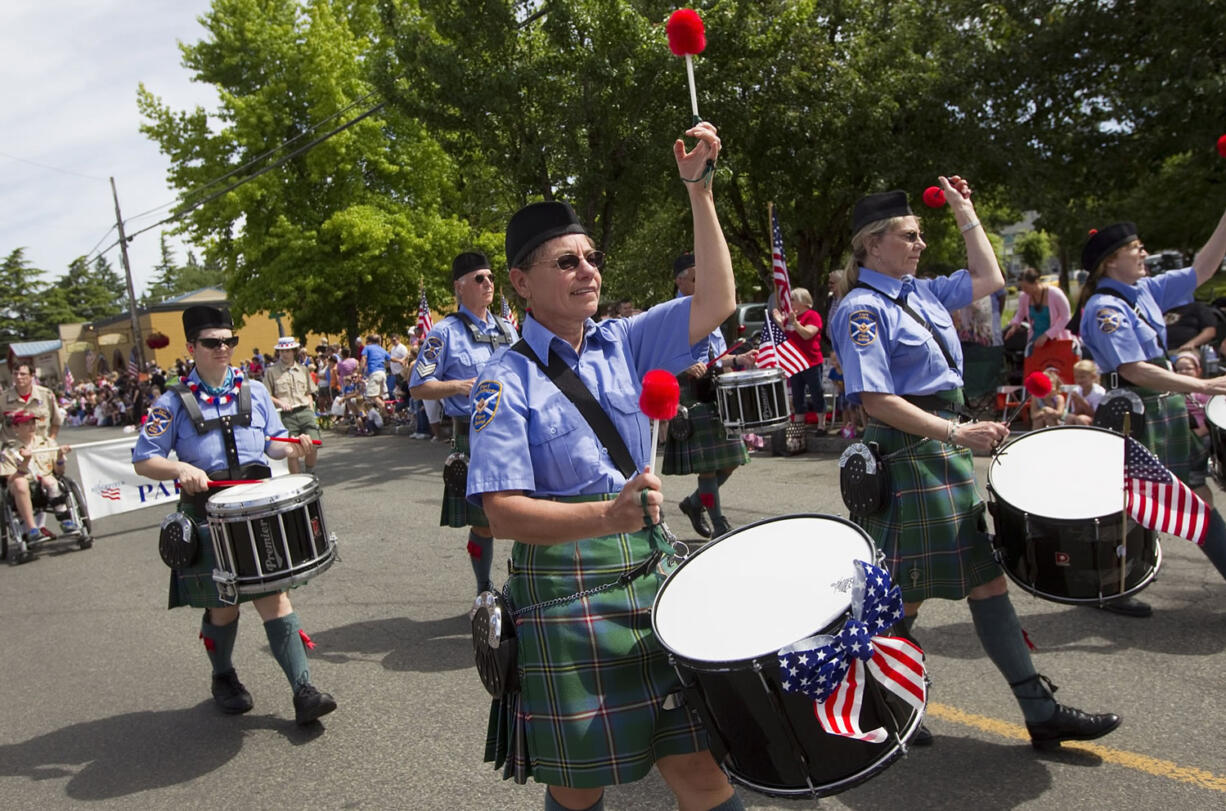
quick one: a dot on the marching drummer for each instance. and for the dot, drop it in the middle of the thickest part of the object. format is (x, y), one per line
(219, 425)
(447, 365)
(1123, 327)
(901, 359)
(583, 511)
(703, 447)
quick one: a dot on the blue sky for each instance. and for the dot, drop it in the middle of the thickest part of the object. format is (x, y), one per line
(69, 121)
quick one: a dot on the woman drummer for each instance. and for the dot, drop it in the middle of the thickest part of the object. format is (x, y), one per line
(901, 359)
(1123, 327)
(239, 417)
(592, 708)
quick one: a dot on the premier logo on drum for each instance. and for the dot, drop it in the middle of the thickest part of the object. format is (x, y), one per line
(1063, 559)
(272, 558)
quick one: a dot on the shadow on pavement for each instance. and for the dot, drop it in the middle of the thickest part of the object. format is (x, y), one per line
(128, 754)
(433, 646)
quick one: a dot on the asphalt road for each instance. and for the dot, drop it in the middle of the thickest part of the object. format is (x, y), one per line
(105, 693)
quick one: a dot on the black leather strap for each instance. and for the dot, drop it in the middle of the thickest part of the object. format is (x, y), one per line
(923, 321)
(570, 385)
(504, 336)
(1136, 308)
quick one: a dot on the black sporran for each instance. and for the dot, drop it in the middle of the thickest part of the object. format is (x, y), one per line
(864, 480)
(1114, 406)
(681, 427)
(178, 541)
(455, 474)
(495, 646)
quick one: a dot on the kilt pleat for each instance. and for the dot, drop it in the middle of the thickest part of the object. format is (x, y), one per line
(1169, 435)
(593, 677)
(932, 531)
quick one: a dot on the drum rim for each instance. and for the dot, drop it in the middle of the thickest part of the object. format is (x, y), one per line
(215, 506)
(1058, 598)
(766, 375)
(996, 496)
(287, 578)
(1220, 398)
(725, 665)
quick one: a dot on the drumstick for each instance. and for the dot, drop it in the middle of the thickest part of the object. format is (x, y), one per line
(1121, 551)
(233, 482)
(736, 345)
(291, 439)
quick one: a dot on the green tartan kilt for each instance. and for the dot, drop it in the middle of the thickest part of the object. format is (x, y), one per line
(593, 678)
(707, 450)
(1169, 435)
(457, 511)
(932, 531)
(194, 586)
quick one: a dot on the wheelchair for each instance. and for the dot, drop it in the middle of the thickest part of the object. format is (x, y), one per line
(13, 543)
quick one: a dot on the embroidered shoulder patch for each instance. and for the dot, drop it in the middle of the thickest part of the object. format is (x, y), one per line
(158, 421)
(485, 403)
(1109, 320)
(427, 361)
(863, 325)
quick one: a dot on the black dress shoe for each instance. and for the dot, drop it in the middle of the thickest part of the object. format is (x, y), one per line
(229, 693)
(722, 527)
(1069, 724)
(1128, 607)
(697, 516)
(310, 704)
(922, 737)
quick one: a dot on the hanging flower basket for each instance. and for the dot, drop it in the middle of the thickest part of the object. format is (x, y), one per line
(157, 340)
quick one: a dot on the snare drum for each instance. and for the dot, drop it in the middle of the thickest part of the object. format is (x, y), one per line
(269, 536)
(1215, 419)
(752, 402)
(725, 614)
(1057, 499)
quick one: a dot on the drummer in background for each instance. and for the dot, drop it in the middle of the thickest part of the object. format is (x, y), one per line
(707, 451)
(289, 383)
(451, 356)
(225, 450)
(932, 528)
(592, 706)
(1123, 327)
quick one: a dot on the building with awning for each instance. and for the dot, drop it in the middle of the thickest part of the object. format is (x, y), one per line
(43, 357)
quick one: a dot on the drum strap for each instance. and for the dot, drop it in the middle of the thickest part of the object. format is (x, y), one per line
(924, 322)
(505, 335)
(241, 418)
(569, 384)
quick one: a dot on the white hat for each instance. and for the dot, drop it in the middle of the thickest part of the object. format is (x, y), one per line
(289, 342)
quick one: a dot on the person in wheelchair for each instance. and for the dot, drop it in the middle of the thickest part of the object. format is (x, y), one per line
(31, 465)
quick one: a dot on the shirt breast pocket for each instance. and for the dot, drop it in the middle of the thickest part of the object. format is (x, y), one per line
(555, 443)
(917, 355)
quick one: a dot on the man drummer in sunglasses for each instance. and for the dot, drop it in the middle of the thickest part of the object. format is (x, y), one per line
(219, 426)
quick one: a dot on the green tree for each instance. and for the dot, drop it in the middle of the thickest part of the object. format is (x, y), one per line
(338, 235)
(90, 292)
(21, 309)
(1034, 248)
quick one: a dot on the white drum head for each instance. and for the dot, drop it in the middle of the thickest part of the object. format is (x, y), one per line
(1069, 472)
(760, 588)
(1215, 410)
(749, 377)
(269, 491)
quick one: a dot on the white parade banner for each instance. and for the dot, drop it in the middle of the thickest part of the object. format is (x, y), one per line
(111, 486)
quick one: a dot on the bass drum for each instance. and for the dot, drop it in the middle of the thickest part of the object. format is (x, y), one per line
(1215, 419)
(1057, 499)
(725, 614)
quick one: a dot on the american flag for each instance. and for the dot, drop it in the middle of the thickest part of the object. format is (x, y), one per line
(776, 351)
(133, 368)
(506, 312)
(68, 381)
(1158, 500)
(779, 267)
(423, 315)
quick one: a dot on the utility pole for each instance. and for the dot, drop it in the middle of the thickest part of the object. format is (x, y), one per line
(127, 272)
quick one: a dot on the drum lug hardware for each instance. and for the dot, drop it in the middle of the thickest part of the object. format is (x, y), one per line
(227, 591)
(674, 700)
(336, 549)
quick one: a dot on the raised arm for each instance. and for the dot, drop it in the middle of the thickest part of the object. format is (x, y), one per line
(714, 290)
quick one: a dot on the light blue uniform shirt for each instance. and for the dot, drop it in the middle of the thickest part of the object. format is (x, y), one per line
(169, 428)
(525, 435)
(884, 350)
(1113, 331)
(449, 353)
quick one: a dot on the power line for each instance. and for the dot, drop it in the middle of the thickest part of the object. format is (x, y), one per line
(52, 168)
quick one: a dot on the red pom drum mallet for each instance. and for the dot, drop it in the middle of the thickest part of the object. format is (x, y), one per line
(1221, 146)
(659, 399)
(686, 37)
(934, 197)
(1037, 384)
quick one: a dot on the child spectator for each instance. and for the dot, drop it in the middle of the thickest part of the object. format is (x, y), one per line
(1048, 411)
(1084, 400)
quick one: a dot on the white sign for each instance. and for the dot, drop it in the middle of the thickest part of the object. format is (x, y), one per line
(111, 486)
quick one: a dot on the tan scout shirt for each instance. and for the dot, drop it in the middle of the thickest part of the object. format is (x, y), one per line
(41, 404)
(289, 384)
(41, 464)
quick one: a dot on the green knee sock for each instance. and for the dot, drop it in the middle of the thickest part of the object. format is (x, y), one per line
(1000, 633)
(481, 556)
(288, 649)
(219, 643)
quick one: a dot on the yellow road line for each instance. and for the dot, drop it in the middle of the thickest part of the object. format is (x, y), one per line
(1130, 760)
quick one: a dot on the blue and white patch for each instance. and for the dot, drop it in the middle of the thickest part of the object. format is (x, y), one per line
(485, 398)
(427, 361)
(1109, 320)
(158, 421)
(863, 326)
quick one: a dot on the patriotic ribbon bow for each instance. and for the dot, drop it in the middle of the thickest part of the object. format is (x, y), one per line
(831, 669)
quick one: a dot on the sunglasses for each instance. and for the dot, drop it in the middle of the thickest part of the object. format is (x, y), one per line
(570, 261)
(483, 278)
(912, 236)
(215, 343)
